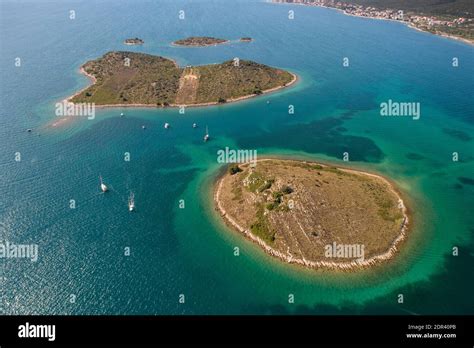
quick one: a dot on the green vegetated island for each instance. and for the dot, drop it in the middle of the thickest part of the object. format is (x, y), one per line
(200, 41)
(203, 41)
(138, 79)
(311, 214)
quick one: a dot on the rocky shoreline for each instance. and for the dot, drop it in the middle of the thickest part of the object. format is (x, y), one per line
(343, 266)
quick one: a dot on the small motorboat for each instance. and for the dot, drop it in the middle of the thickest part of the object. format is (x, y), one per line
(131, 202)
(206, 136)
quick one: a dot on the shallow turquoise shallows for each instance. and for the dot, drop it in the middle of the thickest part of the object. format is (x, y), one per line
(82, 267)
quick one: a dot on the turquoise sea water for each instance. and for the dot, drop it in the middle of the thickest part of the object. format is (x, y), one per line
(190, 251)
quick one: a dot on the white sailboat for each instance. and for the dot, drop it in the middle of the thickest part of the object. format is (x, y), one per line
(131, 202)
(206, 136)
(167, 125)
(103, 186)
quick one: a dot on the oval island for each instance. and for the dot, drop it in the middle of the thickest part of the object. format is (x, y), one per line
(138, 79)
(311, 214)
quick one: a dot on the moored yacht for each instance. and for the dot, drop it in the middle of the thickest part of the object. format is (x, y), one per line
(103, 187)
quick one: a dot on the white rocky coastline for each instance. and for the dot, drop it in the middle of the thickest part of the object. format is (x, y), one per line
(345, 266)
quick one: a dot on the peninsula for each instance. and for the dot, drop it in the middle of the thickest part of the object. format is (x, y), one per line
(200, 41)
(312, 214)
(138, 79)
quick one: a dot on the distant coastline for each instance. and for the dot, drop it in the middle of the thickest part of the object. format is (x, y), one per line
(411, 25)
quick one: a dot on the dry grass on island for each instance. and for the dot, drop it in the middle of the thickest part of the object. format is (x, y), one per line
(294, 210)
(156, 81)
(200, 41)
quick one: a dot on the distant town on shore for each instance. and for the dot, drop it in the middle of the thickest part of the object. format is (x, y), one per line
(454, 19)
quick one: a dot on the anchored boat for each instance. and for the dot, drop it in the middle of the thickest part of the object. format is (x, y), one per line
(103, 186)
